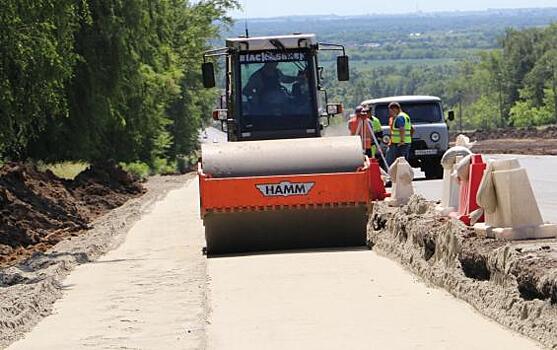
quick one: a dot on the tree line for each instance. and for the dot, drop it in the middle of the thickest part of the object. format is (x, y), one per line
(104, 79)
(512, 85)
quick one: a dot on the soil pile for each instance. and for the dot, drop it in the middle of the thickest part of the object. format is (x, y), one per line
(37, 209)
(534, 141)
(512, 133)
(103, 187)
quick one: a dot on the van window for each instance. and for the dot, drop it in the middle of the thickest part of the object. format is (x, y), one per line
(419, 112)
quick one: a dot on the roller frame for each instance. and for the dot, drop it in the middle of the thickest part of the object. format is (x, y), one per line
(348, 194)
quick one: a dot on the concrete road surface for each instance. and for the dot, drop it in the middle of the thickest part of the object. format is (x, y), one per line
(339, 300)
(153, 292)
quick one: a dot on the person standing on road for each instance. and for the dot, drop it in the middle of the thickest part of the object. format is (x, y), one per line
(378, 132)
(401, 133)
(361, 124)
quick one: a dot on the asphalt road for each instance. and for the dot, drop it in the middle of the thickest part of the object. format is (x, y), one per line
(212, 134)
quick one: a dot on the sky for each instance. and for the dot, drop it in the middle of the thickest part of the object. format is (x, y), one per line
(275, 8)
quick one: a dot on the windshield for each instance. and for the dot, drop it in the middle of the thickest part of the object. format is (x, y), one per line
(276, 91)
(424, 112)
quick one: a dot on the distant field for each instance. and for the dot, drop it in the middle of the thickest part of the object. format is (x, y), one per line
(363, 65)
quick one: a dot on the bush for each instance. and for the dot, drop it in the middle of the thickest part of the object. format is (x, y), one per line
(524, 114)
(161, 166)
(182, 165)
(64, 170)
(187, 163)
(138, 169)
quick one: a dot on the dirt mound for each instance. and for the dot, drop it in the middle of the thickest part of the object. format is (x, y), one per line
(533, 141)
(37, 209)
(513, 133)
(104, 186)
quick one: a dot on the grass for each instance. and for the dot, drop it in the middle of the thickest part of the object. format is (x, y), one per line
(69, 170)
(64, 170)
(139, 169)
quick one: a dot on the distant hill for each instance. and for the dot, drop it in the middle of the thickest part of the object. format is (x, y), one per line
(366, 28)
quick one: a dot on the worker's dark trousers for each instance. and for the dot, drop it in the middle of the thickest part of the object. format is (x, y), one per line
(381, 162)
(396, 151)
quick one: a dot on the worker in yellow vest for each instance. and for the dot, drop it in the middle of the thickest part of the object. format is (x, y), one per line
(401, 133)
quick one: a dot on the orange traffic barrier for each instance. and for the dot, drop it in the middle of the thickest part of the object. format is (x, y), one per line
(469, 189)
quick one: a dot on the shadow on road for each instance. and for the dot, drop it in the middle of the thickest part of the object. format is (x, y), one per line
(292, 251)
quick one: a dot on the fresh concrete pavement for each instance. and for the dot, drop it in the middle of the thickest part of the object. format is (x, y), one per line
(346, 299)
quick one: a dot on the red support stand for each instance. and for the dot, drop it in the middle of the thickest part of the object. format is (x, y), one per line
(469, 189)
(376, 183)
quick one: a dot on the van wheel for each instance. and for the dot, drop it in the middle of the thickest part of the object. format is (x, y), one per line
(433, 169)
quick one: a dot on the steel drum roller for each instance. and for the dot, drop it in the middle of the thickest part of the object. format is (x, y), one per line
(282, 157)
(287, 228)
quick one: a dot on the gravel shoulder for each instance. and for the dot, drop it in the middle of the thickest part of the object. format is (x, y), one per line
(29, 290)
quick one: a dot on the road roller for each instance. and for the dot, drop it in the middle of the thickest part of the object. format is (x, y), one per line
(277, 184)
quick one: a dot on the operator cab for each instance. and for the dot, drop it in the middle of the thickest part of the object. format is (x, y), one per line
(272, 87)
(277, 92)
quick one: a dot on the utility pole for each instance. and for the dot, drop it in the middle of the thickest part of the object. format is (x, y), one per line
(460, 110)
(555, 90)
(500, 81)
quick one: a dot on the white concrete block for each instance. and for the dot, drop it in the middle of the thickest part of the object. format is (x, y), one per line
(402, 175)
(510, 207)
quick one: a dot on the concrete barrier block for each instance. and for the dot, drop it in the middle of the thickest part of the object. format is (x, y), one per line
(510, 207)
(401, 174)
(543, 231)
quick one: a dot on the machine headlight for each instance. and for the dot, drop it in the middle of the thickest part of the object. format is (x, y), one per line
(435, 137)
(386, 139)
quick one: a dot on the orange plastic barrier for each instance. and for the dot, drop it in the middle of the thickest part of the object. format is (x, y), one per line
(469, 189)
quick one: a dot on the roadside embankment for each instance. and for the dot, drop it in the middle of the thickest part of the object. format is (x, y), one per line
(531, 141)
(38, 209)
(514, 283)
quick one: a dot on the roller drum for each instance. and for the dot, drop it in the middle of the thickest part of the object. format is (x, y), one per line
(241, 232)
(282, 157)
(231, 231)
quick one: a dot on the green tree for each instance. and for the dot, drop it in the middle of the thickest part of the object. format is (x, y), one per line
(135, 91)
(37, 62)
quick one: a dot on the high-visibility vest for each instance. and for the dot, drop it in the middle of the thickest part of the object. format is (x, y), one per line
(376, 124)
(376, 127)
(363, 127)
(395, 133)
